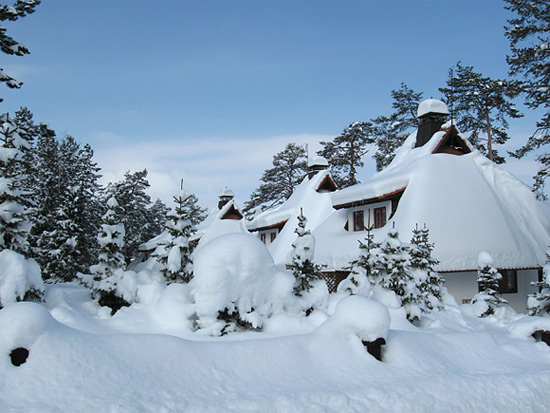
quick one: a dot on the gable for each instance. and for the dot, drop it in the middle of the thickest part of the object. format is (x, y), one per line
(327, 185)
(232, 213)
(452, 143)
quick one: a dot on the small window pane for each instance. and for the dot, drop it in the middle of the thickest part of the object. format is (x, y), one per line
(358, 221)
(379, 217)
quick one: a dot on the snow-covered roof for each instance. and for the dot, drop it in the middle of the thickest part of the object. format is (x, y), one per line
(432, 106)
(318, 161)
(226, 193)
(468, 203)
(217, 224)
(316, 207)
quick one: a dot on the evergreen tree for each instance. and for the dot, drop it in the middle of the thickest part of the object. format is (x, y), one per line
(303, 268)
(488, 298)
(539, 303)
(529, 35)
(158, 212)
(365, 270)
(389, 132)
(14, 222)
(134, 203)
(279, 182)
(395, 273)
(111, 241)
(46, 188)
(66, 243)
(174, 253)
(428, 281)
(345, 152)
(8, 44)
(482, 106)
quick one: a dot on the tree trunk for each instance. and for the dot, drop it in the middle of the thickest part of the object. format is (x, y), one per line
(489, 137)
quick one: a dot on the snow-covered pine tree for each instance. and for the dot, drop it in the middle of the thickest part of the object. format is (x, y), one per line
(111, 241)
(395, 274)
(107, 273)
(135, 210)
(345, 152)
(14, 222)
(159, 212)
(304, 269)
(389, 132)
(44, 181)
(66, 244)
(482, 106)
(530, 45)
(538, 303)
(279, 181)
(174, 253)
(8, 44)
(488, 297)
(365, 270)
(427, 280)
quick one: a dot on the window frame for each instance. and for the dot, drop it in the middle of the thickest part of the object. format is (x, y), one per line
(380, 216)
(508, 284)
(358, 220)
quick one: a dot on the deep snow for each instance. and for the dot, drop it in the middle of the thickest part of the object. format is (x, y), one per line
(146, 358)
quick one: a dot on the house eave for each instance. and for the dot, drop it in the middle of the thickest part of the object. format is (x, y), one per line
(371, 200)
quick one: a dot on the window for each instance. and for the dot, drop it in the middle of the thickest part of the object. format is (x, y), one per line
(358, 221)
(509, 282)
(379, 217)
(262, 238)
(272, 236)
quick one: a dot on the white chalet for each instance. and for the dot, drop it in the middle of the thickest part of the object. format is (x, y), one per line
(468, 203)
(275, 227)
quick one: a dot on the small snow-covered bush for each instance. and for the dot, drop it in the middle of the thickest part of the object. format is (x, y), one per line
(20, 278)
(538, 303)
(486, 301)
(236, 284)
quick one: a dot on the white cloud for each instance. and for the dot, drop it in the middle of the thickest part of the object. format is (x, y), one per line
(206, 165)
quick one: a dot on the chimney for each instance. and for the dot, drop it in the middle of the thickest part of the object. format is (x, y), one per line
(432, 114)
(225, 196)
(315, 165)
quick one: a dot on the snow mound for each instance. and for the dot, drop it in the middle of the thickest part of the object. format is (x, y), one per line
(236, 272)
(17, 276)
(358, 316)
(21, 325)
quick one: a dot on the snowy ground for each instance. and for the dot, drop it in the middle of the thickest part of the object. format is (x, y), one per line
(146, 358)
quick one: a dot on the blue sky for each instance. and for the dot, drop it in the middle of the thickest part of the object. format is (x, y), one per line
(210, 90)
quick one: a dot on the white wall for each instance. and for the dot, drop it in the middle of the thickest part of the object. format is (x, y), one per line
(463, 286)
(368, 211)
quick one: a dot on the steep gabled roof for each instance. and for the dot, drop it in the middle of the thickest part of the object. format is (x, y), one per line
(468, 203)
(222, 221)
(311, 197)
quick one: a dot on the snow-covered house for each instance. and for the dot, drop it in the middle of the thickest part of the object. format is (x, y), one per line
(468, 203)
(275, 227)
(226, 218)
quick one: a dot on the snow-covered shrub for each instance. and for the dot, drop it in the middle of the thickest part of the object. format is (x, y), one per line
(538, 303)
(395, 274)
(20, 278)
(487, 299)
(236, 285)
(174, 252)
(426, 279)
(365, 271)
(108, 273)
(307, 273)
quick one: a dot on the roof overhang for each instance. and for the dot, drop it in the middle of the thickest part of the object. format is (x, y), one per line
(384, 197)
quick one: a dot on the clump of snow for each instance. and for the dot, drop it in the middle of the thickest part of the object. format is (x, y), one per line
(432, 106)
(484, 259)
(18, 276)
(360, 317)
(236, 272)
